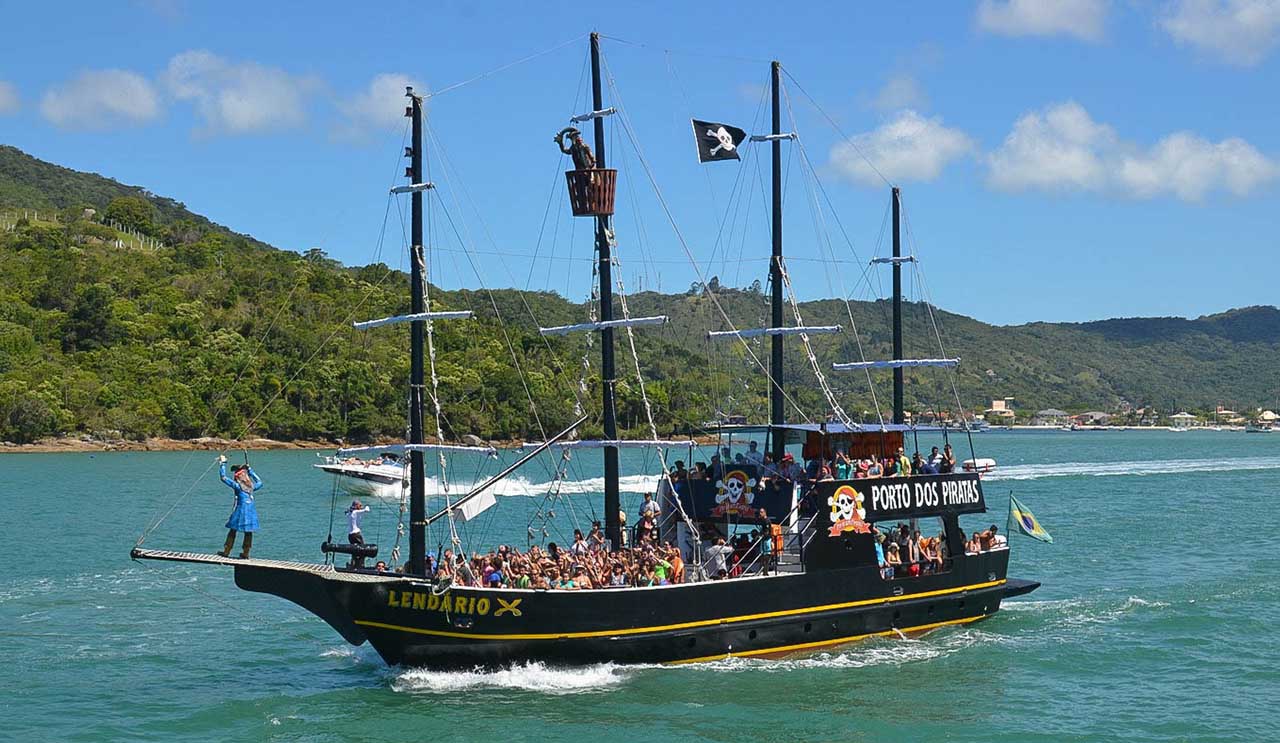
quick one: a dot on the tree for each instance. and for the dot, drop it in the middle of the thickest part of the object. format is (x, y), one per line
(133, 213)
(92, 323)
(29, 418)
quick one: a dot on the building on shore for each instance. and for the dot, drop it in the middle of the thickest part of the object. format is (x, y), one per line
(1184, 420)
(1000, 412)
(1092, 418)
(1051, 417)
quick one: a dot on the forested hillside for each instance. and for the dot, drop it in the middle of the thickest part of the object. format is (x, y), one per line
(210, 332)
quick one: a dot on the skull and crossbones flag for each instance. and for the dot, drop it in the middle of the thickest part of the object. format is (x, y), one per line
(717, 141)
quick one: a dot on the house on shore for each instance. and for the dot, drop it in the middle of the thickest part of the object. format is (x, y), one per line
(1000, 413)
(1050, 417)
(1184, 420)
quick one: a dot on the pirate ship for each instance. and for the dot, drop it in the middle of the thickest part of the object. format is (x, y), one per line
(829, 587)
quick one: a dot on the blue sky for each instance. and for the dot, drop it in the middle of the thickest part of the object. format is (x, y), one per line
(1060, 160)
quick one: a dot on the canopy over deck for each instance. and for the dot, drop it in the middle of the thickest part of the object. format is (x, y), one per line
(796, 433)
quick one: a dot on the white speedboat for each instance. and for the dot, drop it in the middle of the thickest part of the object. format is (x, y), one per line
(981, 464)
(382, 477)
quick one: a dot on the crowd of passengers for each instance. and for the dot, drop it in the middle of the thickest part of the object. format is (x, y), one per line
(905, 553)
(585, 564)
(901, 552)
(841, 467)
(588, 563)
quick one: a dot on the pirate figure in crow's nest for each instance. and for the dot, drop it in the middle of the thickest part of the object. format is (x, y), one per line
(576, 149)
(243, 482)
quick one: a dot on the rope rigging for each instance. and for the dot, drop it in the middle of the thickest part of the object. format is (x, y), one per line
(727, 231)
(666, 208)
(369, 292)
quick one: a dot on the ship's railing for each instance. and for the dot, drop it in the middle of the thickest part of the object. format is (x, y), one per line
(790, 547)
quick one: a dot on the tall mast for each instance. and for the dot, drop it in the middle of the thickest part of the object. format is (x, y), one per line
(898, 416)
(776, 417)
(417, 484)
(612, 503)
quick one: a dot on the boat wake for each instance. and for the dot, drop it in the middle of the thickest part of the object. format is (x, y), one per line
(1075, 615)
(522, 487)
(1119, 469)
(639, 484)
(532, 676)
(869, 653)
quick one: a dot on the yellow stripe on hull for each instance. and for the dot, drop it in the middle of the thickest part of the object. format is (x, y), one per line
(790, 649)
(683, 625)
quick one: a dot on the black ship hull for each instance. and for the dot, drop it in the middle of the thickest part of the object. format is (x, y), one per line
(410, 623)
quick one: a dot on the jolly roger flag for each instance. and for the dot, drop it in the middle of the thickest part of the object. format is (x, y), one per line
(717, 141)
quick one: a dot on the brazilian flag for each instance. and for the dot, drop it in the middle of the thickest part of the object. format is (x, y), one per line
(1026, 521)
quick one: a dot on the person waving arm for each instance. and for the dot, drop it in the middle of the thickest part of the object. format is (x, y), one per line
(222, 473)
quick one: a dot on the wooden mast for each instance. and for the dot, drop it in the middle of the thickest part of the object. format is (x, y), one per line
(417, 474)
(898, 416)
(776, 411)
(612, 501)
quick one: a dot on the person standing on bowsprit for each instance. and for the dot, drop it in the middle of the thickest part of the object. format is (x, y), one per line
(244, 517)
(354, 537)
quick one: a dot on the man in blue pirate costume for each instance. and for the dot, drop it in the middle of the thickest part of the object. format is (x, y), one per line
(243, 481)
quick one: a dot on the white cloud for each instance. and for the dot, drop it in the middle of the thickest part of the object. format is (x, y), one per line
(1189, 167)
(8, 98)
(239, 97)
(1063, 149)
(910, 147)
(1083, 19)
(101, 99)
(380, 106)
(901, 91)
(1240, 32)
(1057, 149)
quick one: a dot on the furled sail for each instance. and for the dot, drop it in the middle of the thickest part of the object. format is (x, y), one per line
(453, 315)
(756, 332)
(894, 364)
(631, 323)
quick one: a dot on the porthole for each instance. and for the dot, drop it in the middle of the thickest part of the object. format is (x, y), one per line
(897, 615)
(693, 641)
(808, 627)
(930, 609)
(752, 635)
(961, 603)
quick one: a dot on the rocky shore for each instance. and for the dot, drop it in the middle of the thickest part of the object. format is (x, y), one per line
(85, 443)
(204, 443)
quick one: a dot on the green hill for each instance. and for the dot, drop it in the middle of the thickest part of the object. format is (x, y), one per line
(204, 331)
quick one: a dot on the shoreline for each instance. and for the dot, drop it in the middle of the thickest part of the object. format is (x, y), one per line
(205, 443)
(77, 444)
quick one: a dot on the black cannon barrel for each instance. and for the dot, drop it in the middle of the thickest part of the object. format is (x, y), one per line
(355, 550)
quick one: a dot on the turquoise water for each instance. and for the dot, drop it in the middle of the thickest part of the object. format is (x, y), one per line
(1157, 620)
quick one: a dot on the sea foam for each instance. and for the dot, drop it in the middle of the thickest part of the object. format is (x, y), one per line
(1130, 468)
(532, 676)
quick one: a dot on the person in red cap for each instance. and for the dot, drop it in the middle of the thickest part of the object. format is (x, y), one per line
(789, 469)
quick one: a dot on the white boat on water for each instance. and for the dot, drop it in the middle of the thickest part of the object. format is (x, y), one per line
(381, 477)
(981, 464)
